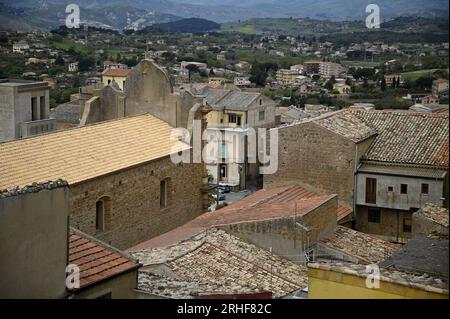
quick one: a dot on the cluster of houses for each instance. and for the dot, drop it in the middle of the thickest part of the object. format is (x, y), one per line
(90, 188)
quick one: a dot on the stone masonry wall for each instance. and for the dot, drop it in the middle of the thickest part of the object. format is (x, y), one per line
(135, 214)
(317, 159)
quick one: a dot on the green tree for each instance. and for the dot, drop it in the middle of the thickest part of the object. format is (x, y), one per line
(383, 84)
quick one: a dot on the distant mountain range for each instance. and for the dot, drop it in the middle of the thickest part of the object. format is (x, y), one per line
(51, 16)
(137, 14)
(233, 10)
(191, 25)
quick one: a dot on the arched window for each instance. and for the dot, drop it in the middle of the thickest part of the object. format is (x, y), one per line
(102, 214)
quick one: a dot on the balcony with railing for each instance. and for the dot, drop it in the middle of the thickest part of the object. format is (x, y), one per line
(33, 128)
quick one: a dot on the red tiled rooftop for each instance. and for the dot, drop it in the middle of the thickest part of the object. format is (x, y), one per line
(96, 261)
(365, 248)
(263, 205)
(116, 72)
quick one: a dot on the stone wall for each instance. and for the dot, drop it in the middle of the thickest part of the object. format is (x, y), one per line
(390, 227)
(135, 214)
(317, 159)
(148, 90)
(284, 236)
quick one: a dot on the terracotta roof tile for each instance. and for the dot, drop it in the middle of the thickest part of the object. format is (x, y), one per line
(407, 137)
(265, 204)
(219, 262)
(346, 124)
(116, 72)
(435, 214)
(83, 153)
(367, 249)
(96, 260)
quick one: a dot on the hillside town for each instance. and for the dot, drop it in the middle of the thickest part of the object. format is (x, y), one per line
(328, 166)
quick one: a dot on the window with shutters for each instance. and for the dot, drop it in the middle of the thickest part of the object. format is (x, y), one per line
(371, 190)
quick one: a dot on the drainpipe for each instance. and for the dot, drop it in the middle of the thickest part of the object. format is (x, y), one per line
(398, 225)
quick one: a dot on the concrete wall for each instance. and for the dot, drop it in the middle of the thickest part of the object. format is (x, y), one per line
(317, 159)
(15, 108)
(121, 287)
(323, 284)
(7, 127)
(396, 200)
(284, 236)
(135, 206)
(33, 244)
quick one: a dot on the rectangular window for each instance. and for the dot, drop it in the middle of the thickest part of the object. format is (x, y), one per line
(390, 189)
(223, 172)
(262, 116)
(425, 189)
(407, 225)
(163, 194)
(404, 189)
(374, 216)
(224, 151)
(43, 108)
(371, 190)
(232, 118)
(99, 215)
(34, 109)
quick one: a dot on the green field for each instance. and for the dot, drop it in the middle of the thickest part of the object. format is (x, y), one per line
(66, 45)
(412, 76)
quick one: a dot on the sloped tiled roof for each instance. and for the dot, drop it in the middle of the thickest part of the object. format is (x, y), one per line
(80, 154)
(238, 100)
(407, 137)
(436, 214)
(67, 113)
(346, 124)
(97, 261)
(116, 72)
(214, 96)
(220, 263)
(402, 170)
(270, 204)
(365, 248)
(229, 99)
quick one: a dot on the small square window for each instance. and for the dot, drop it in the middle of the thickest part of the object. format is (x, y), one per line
(390, 188)
(262, 116)
(425, 189)
(404, 189)
(374, 216)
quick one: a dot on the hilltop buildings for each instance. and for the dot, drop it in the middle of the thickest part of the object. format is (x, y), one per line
(384, 164)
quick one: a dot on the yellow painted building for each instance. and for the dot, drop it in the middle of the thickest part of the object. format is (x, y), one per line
(228, 119)
(117, 75)
(348, 281)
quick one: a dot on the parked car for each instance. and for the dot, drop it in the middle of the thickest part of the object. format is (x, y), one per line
(225, 188)
(221, 196)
